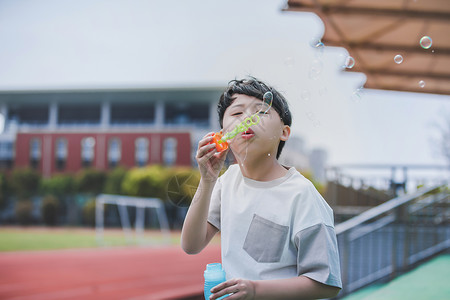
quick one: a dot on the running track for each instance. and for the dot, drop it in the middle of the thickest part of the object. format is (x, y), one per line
(113, 273)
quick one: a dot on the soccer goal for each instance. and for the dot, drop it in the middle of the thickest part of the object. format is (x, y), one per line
(141, 204)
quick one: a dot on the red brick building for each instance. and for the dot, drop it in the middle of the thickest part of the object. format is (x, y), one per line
(63, 131)
(68, 152)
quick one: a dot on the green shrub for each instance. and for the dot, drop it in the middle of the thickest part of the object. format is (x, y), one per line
(146, 182)
(24, 210)
(49, 210)
(58, 185)
(114, 179)
(90, 181)
(321, 188)
(25, 182)
(89, 212)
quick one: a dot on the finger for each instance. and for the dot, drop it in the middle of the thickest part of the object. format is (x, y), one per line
(230, 291)
(223, 285)
(205, 140)
(205, 150)
(221, 155)
(207, 159)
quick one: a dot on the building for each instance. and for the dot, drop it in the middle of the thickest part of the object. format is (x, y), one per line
(62, 131)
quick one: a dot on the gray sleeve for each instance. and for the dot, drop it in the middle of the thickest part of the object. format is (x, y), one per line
(318, 256)
(214, 207)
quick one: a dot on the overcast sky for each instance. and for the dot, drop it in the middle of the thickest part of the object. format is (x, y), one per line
(125, 43)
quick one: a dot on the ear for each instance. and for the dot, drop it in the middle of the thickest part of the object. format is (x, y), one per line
(285, 133)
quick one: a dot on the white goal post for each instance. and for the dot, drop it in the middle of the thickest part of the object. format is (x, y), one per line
(122, 202)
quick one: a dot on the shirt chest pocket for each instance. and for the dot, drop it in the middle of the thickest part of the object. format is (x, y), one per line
(265, 240)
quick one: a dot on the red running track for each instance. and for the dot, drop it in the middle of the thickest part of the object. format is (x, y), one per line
(113, 273)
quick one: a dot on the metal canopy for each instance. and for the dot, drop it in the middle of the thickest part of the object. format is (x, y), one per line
(374, 32)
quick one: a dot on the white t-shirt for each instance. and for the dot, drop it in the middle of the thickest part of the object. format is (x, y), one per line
(274, 229)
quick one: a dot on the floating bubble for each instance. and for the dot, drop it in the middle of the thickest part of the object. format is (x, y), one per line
(322, 91)
(267, 102)
(312, 117)
(316, 43)
(349, 62)
(315, 69)
(289, 62)
(398, 59)
(305, 95)
(422, 84)
(426, 42)
(358, 95)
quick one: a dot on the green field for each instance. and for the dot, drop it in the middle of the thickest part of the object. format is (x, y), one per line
(42, 238)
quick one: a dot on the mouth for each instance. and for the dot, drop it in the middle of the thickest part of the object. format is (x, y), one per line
(248, 134)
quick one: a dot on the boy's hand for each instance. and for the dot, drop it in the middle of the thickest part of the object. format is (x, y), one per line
(237, 288)
(210, 162)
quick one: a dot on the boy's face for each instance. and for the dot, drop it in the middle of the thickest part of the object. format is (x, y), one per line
(262, 138)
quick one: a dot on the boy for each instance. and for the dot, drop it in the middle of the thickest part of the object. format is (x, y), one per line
(277, 232)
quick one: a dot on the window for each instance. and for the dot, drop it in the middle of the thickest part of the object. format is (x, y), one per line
(61, 153)
(75, 114)
(141, 152)
(35, 152)
(132, 113)
(187, 113)
(29, 114)
(114, 152)
(87, 151)
(6, 154)
(170, 151)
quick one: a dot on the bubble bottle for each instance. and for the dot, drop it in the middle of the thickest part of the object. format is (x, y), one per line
(221, 140)
(214, 275)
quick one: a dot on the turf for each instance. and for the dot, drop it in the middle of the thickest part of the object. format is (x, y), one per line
(32, 238)
(428, 281)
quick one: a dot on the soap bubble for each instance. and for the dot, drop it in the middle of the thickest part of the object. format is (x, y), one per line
(323, 90)
(349, 62)
(181, 188)
(305, 95)
(319, 47)
(398, 59)
(422, 84)
(426, 42)
(267, 101)
(316, 43)
(315, 69)
(358, 95)
(289, 61)
(312, 117)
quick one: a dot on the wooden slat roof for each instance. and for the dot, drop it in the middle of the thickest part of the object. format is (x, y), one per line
(374, 32)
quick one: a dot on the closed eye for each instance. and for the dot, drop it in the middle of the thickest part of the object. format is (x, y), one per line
(236, 114)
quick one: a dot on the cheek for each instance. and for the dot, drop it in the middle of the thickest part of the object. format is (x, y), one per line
(230, 123)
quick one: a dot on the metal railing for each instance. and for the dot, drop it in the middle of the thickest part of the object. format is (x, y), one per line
(388, 239)
(122, 203)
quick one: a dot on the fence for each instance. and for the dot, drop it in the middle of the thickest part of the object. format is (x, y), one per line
(390, 238)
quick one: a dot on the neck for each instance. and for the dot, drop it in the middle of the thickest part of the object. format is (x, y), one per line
(264, 168)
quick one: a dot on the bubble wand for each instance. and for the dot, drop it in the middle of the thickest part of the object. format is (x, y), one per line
(221, 141)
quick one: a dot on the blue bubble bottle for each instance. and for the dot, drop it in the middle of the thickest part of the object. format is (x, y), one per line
(214, 275)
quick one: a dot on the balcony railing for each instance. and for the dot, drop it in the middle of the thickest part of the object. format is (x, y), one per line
(390, 238)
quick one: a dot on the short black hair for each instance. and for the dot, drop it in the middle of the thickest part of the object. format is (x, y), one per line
(255, 88)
